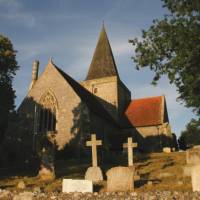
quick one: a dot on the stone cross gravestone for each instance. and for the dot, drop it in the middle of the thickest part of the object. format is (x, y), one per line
(70, 185)
(94, 143)
(130, 145)
(94, 173)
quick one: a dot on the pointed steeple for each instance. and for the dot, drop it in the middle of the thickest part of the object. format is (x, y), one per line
(103, 63)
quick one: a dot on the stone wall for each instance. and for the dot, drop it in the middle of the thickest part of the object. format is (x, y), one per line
(51, 81)
(112, 94)
(124, 98)
(147, 131)
(106, 90)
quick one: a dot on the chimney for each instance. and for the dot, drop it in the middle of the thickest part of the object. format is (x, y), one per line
(35, 69)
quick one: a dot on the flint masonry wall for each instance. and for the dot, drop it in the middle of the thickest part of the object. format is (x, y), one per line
(112, 93)
(155, 130)
(106, 90)
(67, 100)
(124, 98)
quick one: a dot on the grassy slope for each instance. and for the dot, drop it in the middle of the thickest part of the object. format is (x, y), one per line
(165, 171)
(162, 171)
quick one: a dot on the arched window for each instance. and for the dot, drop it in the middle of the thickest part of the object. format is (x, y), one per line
(47, 113)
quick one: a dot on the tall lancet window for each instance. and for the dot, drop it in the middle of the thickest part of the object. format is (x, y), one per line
(47, 113)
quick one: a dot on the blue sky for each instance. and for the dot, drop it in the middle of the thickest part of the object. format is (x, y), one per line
(67, 30)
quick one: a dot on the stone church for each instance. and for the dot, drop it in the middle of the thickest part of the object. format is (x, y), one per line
(100, 104)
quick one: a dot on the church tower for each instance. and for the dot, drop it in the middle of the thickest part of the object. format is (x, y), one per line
(103, 79)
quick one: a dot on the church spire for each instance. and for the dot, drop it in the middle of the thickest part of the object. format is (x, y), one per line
(103, 63)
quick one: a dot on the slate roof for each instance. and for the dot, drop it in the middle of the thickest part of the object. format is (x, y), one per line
(147, 111)
(87, 97)
(103, 63)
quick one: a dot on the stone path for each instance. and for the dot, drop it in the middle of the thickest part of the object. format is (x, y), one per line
(164, 195)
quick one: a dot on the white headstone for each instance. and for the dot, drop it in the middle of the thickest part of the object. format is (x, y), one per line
(195, 173)
(70, 185)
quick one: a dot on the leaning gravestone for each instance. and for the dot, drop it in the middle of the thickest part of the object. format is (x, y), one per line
(120, 179)
(195, 174)
(83, 186)
(94, 173)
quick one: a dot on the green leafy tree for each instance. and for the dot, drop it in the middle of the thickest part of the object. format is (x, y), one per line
(171, 46)
(8, 67)
(81, 127)
(191, 135)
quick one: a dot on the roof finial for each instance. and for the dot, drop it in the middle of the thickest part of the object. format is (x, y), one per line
(51, 59)
(103, 24)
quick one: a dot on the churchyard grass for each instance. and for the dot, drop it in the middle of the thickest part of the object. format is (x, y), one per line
(158, 171)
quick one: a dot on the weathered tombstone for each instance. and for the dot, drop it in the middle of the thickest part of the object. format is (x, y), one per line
(69, 185)
(192, 159)
(24, 196)
(195, 175)
(120, 179)
(47, 172)
(193, 156)
(94, 173)
(167, 150)
(21, 185)
(130, 145)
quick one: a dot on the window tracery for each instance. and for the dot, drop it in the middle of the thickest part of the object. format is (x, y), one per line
(47, 113)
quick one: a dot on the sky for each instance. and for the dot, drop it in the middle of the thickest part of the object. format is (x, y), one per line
(67, 31)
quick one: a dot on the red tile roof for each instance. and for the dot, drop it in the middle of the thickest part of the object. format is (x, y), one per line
(145, 111)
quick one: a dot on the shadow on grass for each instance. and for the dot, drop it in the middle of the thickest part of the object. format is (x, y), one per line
(140, 183)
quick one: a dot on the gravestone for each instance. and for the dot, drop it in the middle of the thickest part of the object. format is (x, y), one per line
(24, 196)
(69, 185)
(195, 175)
(192, 159)
(120, 179)
(21, 185)
(193, 156)
(167, 150)
(94, 173)
(47, 171)
(130, 145)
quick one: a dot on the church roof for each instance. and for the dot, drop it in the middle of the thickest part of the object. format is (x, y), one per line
(149, 111)
(103, 63)
(87, 97)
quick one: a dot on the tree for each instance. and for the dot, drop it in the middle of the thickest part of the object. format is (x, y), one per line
(8, 67)
(81, 127)
(190, 136)
(171, 47)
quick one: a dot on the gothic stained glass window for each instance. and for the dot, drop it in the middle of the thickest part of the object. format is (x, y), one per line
(47, 113)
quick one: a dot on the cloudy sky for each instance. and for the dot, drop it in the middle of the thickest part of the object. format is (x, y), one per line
(67, 31)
